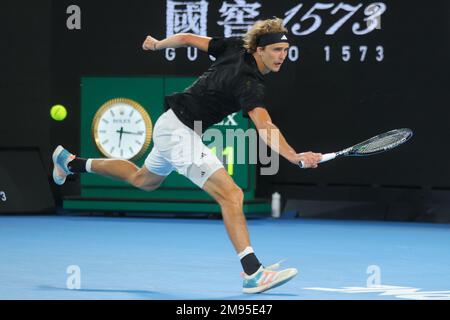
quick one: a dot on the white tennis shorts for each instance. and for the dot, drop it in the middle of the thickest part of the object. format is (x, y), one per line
(178, 147)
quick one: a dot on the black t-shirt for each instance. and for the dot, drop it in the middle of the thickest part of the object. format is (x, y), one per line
(232, 83)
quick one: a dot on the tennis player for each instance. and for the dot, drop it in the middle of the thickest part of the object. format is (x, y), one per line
(234, 82)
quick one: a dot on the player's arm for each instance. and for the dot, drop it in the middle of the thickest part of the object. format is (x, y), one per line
(273, 137)
(177, 41)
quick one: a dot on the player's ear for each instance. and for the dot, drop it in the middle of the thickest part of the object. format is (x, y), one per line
(260, 50)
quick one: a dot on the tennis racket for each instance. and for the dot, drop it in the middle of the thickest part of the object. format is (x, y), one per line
(380, 143)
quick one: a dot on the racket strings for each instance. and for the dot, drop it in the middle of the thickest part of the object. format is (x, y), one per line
(381, 143)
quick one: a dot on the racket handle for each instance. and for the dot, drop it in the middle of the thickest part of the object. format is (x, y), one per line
(325, 157)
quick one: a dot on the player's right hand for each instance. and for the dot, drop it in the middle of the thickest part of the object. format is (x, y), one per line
(310, 159)
(149, 43)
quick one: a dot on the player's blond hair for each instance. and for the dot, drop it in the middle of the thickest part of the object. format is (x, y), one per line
(261, 27)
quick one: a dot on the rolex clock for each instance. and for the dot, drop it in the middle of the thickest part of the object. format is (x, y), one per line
(122, 129)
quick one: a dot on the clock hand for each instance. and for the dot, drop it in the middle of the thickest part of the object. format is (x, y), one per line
(128, 132)
(120, 138)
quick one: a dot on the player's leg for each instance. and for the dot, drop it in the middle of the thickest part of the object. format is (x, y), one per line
(127, 171)
(209, 174)
(187, 153)
(230, 198)
(66, 163)
(148, 178)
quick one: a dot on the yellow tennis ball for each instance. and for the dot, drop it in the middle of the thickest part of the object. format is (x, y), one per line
(58, 112)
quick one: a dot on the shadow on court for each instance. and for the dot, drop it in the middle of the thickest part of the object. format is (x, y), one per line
(141, 294)
(156, 295)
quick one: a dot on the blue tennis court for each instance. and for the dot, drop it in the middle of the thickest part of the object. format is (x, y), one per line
(76, 257)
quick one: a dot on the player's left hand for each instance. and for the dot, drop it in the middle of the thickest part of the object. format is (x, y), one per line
(149, 44)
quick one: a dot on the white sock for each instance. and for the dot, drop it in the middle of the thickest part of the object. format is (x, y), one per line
(89, 165)
(246, 251)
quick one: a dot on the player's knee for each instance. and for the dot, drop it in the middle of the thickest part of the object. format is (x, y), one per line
(149, 187)
(140, 182)
(233, 196)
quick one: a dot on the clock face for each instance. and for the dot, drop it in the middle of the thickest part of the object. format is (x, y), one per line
(122, 129)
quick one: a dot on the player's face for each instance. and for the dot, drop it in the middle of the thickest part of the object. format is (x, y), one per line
(274, 55)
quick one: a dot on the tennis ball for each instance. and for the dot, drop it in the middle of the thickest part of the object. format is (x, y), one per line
(58, 112)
